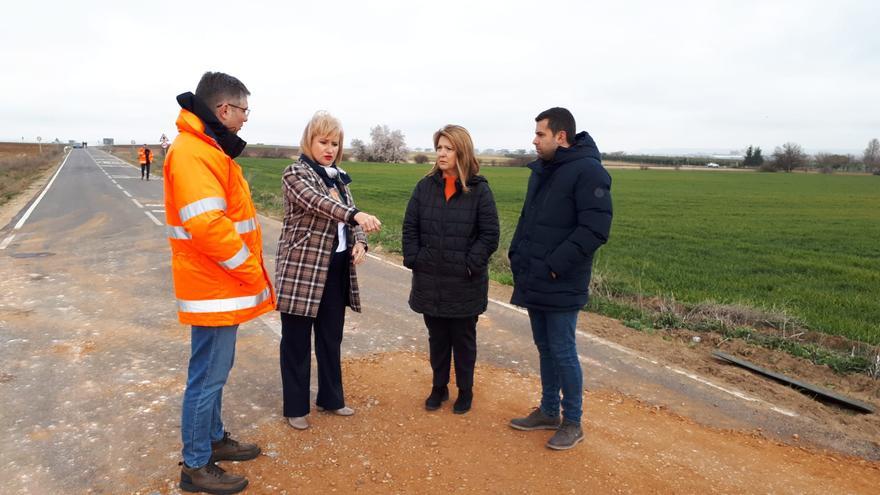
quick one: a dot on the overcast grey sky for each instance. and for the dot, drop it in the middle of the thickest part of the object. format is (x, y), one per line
(639, 75)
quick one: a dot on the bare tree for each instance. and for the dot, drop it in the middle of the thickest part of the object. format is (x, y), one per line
(872, 155)
(386, 146)
(789, 157)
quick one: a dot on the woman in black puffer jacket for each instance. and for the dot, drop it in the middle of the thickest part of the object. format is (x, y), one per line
(449, 232)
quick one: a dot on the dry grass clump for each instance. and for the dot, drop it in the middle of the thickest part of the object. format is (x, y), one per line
(18, 171)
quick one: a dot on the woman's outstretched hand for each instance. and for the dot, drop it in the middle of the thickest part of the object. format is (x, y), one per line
(368, 222)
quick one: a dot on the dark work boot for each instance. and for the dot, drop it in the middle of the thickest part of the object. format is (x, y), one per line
(567, 436)
(537, 420)
(210, 478)
(228, 449)
(463, 402)
(438, 395)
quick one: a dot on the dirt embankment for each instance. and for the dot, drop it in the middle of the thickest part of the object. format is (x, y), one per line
(392, 445)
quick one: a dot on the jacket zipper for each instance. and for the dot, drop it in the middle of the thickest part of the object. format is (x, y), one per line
(442, 240)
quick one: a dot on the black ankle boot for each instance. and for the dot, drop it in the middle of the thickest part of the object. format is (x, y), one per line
(438, 395)
(463, 402)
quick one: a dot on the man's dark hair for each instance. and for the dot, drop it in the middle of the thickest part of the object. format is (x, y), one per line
(559, 119)
(216, 87)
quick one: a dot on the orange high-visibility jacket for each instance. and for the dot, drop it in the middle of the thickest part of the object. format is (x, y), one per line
(142, 156)
(216, 242)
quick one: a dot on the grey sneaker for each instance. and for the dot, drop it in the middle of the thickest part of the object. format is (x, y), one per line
(537, 420)
(567, 436)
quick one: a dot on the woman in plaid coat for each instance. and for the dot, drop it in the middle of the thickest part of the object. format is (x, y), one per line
(322, 240)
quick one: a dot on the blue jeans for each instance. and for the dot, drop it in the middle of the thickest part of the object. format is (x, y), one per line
(554, 334)
(213, 352)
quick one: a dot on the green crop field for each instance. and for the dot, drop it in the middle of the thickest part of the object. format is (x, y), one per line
(807, 245)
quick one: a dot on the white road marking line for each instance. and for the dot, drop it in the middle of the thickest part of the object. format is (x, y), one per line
(158, 211)
(120, 187)
(615, 346)
(137, 203)
(593, 362)
(153, 218)
(395, 265)
(123, 177)
(30, 210)
(733, 392)
(599, 340)
(126, 193)
(6, 241)
(692, 376)
(154, 206)
(509, 306)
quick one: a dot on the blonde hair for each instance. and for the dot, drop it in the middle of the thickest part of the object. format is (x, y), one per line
(466, 163)
(322, 124)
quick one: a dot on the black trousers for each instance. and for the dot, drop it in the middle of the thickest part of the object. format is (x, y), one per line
(145, 168)
(296, 348)
(448, 336)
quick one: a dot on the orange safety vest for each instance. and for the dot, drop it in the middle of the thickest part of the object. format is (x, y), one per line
(216, 241)
(142, 156)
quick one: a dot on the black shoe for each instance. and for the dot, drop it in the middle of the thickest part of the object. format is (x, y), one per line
(536, 420)
(463, 402)
(210, 478)
(438, 395)
(227, 449)
(567, 436)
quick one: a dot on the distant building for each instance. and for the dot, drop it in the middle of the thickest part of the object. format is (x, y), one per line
(108, 141)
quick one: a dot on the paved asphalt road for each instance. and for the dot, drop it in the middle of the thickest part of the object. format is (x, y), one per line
(92, 358)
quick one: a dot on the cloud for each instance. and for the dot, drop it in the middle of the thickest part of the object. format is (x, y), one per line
(636, 74)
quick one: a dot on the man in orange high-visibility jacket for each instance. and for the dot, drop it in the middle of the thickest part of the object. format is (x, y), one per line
(145, 158)
(217, 264)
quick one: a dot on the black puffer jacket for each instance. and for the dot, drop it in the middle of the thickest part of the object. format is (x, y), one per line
(565, 218)
(447, 245)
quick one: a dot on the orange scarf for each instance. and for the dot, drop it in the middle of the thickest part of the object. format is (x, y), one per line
(450, 187)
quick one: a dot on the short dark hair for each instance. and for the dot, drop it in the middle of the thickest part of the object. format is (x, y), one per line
(559, 119)
(216, 87)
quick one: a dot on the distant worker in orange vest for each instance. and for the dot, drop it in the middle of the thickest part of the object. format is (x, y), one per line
(220, 279)
(145, 158)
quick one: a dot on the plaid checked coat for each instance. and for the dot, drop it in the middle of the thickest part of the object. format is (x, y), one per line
(310, 223)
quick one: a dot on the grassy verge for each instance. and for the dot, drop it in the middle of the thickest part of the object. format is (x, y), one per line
(806, 247)
(17, 172)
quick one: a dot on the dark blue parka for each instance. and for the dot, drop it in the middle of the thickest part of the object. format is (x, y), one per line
(566, 216)
(447, 244)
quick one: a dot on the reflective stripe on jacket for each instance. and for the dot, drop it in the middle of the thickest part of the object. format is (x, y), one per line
(216, 241)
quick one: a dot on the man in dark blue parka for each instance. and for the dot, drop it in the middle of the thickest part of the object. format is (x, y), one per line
(565, 218)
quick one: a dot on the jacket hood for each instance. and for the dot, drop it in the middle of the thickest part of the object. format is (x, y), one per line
(583, 147)
(229, 142)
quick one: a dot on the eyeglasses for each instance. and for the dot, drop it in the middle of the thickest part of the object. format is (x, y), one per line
(247, 111)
